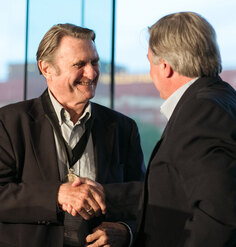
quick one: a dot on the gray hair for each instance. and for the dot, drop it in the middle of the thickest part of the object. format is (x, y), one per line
(51, 40)
(188, 43)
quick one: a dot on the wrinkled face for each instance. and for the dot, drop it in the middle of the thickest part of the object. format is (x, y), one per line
(75, 72)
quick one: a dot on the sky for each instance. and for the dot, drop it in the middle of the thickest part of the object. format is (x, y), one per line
(134, 16)
(132, 19)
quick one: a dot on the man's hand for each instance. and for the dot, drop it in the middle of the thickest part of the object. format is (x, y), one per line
(84, 197)
(109, 234)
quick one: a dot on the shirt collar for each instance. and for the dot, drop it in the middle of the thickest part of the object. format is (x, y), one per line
(63, 115)
(169, 105)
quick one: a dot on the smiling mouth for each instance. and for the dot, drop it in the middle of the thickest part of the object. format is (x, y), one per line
(83, 83)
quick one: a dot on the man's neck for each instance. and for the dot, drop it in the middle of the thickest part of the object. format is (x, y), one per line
(75, 113)
(177, 81)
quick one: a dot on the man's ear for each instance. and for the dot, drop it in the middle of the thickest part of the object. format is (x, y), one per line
(166, 69)
(46, 68)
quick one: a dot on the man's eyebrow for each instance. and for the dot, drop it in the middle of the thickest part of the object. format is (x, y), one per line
(82, 62)
(96, 59)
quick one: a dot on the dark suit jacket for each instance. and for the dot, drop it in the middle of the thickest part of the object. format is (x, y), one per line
(190, 190)
(29, 174)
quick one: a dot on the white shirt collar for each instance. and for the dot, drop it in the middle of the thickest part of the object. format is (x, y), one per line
(59, 109)
(169, 105)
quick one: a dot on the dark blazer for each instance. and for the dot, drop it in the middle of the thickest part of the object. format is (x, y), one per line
(190, 189)
(29, 173)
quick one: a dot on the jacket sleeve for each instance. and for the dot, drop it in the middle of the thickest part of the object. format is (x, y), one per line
(28, 200)
(123, 198)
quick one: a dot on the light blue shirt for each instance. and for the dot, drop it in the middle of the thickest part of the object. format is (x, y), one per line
(169, 105)
(85, 166)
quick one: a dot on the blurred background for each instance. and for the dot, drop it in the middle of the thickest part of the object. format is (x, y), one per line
(122, 43)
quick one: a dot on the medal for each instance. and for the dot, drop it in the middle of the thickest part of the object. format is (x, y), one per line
(71, 176)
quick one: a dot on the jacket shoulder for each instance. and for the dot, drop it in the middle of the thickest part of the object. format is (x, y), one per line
(15, 110)
(209, 92)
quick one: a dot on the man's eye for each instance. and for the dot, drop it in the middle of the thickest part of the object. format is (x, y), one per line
(94, 63)
(79, 65)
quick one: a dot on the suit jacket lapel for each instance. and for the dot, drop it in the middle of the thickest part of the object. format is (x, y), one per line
(43, 143)
(103, 141)
(199, 84)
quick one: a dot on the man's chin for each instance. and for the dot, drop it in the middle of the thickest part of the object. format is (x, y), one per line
(87, 90)
(88, 95)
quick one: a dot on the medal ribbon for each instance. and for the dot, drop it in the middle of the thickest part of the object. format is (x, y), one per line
(74, 154)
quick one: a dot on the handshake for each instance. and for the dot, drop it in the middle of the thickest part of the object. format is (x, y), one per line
(83, 197)
(86, 198)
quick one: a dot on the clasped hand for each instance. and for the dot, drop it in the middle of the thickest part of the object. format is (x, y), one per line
(83, 197)
(86, 198)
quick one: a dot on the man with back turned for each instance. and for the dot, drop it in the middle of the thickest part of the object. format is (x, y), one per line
(190, 190)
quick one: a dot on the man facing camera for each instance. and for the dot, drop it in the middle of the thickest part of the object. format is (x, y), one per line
(70, 169)
(190, 189)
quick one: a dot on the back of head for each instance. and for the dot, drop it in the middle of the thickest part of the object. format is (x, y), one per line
(188, 43)
(51, 40)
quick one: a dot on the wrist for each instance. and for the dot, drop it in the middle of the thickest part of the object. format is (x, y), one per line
(129, 234)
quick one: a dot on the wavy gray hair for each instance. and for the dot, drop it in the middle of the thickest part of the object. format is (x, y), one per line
(187, 42)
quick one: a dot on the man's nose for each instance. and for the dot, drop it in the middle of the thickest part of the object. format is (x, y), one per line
(90, 72)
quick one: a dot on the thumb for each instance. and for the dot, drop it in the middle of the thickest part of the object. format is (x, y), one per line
(91, 182)
(77, 182)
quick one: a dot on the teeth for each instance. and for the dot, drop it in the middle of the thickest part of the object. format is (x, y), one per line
(85, 83)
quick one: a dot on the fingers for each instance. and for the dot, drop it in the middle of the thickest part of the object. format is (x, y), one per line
(90, 197)
(90, 182)
(80, 198)
(109, 234)
(98, 238)
(85, 214)
(97, 193)
(69, 209)
(97, 200)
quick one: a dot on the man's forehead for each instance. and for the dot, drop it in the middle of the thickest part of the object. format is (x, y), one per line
(74, 41)
(71, 45)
